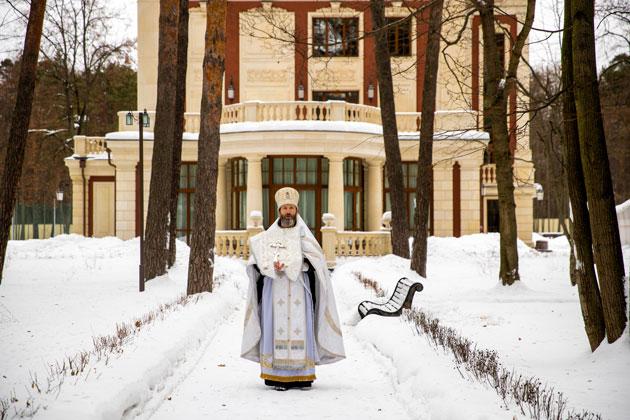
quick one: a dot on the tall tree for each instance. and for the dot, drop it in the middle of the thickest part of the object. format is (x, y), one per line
(14, 157)
(201, 265)
(182, 64)
(588, 290)
(594, 156)
(166, 125)
(615, 99)
(424, 179)
(393, 163)
(498, 84)
(78, 45)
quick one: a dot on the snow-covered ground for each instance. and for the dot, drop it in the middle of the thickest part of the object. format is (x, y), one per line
(58, 295)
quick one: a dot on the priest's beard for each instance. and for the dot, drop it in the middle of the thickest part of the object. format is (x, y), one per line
(288, 221)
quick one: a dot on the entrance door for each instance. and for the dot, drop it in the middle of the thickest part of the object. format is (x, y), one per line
(102, 206)
(492, 218)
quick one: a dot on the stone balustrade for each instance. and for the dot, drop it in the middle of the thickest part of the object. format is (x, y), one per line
(232, 243)
(354, 244)
(362, 244)
(258, 111)
(235, 243)
(488, 174)
(408, 121)
(84, 145)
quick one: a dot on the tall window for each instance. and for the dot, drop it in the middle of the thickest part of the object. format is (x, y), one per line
(239, 193)
(186, 200)
(399, 37)
(308, 175)
(492, 217)
(351, 96)
(335, 37)
(353, 194)
(410, 171)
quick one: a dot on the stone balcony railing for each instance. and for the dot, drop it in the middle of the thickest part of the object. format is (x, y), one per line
(235, 243)
(257, 111)
(488, 177)
(84, 146)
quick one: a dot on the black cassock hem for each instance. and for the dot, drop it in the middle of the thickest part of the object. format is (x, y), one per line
(287, 385)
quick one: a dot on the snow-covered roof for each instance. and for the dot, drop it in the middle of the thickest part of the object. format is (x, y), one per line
(338, 126)
(91, 156)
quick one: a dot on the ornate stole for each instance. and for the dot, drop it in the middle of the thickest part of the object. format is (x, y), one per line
(289, 315)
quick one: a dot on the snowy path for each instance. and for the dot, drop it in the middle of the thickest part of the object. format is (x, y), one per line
(224, 386)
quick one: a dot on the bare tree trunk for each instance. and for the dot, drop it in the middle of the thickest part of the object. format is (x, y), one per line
(424, 179)
(201, 265)
(497, 87)
(18, 133)
(155, 254)
(601, 205)
(588, 290)
(393, 164)
(182, 61)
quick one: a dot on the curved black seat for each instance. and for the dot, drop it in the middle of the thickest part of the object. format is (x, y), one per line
(401, 298)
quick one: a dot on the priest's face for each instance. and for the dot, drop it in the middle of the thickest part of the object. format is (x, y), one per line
(288, 215)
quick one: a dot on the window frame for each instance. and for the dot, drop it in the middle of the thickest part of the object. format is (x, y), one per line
(357, 186)
(347, 93)
(188, 192)
(349, 48)
(319, 185)
(236, 189)
(408, 191)
(396, 32)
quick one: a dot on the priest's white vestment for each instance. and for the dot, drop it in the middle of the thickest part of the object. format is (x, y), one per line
(283, 331)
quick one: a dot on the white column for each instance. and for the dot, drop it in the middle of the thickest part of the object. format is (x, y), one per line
(254, 184)
(335, 189)
(375, 194)
(221, 214)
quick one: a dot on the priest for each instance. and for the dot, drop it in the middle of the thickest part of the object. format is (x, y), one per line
(291, 320)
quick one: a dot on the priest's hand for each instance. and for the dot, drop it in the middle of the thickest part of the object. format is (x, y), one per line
(278, 266)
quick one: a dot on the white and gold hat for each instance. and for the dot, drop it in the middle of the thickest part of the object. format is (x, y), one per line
(287, 195)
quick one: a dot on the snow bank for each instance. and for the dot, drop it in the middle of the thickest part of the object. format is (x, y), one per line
(84, 287)
(59, 293)
(536, 326)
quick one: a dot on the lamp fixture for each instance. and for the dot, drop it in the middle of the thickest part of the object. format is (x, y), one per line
(370, 91)
(300, 91)
(145, 118)
(540, 192)
(230, 90)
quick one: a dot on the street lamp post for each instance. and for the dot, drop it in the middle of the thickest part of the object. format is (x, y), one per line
(143, 121)
(58, 197)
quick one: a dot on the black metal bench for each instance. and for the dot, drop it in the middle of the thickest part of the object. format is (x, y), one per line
(401, 298)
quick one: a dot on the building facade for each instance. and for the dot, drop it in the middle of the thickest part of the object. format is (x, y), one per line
(301, 109)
